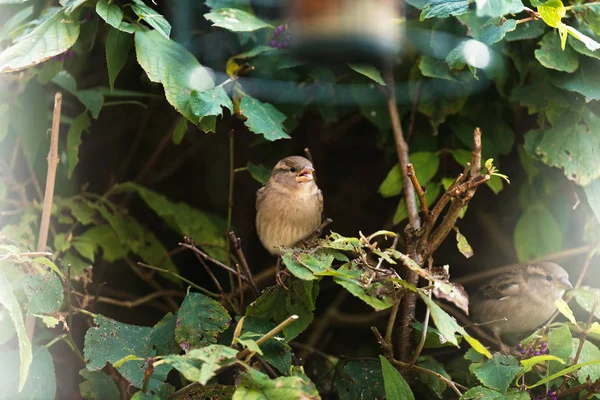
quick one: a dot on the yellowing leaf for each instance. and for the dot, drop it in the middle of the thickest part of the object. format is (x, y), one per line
(565, 310)
(552, 12)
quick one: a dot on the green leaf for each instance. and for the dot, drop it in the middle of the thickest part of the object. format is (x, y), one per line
(41, 379)
(169, 63)
(93, 99)
(395, 385)
(259, 172)
(144, 396)
(200, 365)
(526, 30)
(275, 352)
(80, 208)
(180, 130)
(432, 382)
(444, 8)
(154, 19)
(361, 380)
(584, 81)
(53, 36)
(480, 393)
(486, 30)
(434, 68)
(9, 301)
(498, 8)
(263, 118)
(529, 363)
(432, 193)
(434, 339)
(7, 328)
(498, 372)
(537, 233)
(560, 344)
(552, 11)
(80, 123)
(102, 236)
(71, 5)
(296, 268)
(589, 354)
(565, 310)
(463, 245)
(118, 46)
(45, 293)
(349, 276)
(589, 44)
(550, 54)
(97, 386)
(369, 71)
(236, 20)
(585, 297)
(425, 164)
(109, 12)
(277, 304)
(210, 103)
(257, 386)
(111, 341)
(199, 320)
(571, 144)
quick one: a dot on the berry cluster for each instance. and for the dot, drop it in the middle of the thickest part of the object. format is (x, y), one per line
(550, 395)
(534, 350)
(280, 41)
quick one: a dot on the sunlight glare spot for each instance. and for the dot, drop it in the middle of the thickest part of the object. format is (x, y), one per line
(476, 54)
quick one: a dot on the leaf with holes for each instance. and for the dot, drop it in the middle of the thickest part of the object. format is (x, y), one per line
(199, 320)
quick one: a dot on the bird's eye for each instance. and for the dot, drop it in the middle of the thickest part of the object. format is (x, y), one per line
(548, 277)
(292, 169)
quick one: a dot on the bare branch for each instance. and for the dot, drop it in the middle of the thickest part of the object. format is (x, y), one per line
(237, 245)
(419, 189)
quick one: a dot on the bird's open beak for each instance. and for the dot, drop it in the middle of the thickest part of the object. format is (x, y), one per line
(564, 283)
(306, 175)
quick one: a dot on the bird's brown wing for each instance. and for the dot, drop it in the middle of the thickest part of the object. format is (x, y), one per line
(503, 286)
(320, 200)
(260, 195)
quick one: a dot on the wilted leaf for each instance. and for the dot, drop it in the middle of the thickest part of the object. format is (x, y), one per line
(565, 310)
(453, 292)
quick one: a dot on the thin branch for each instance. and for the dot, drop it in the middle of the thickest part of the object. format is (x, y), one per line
(389, 331)
(310, 158)
(419, 189)
(421, 344)
(157, 153)
(269, 335)
(176, 275)
(219, 264)
(237, 245)
(318, 230)
(586, 265)
(133, 303)
(413, 111)
(49, 194)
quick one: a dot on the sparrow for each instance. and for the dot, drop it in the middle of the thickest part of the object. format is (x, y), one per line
(289, 206)
(525, 297)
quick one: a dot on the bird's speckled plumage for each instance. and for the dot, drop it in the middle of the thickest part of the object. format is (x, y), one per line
(525, 296)
(289, 206)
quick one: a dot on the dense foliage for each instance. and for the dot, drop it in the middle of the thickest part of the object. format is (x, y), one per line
(126, 193)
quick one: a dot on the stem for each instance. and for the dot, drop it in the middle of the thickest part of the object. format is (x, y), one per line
(269, 335)
(176, 275)
(237, 245)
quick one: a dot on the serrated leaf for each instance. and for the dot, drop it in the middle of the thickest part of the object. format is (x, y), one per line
(585, 297)
(349, 276)
(480, 392)
(153, 18)
(235, 20)
(10, 303)
(259, 172)
(486, 30)
(498, 8)
(552, 11)
(257, 386)
(444, 8)
(571, 144)
(199, 320)
(395, 385)
(80, 123)
(369, 71)
(210, 103)
(527, 30)
(361, 380)
(550, 54)
(110, 341)
(296, 268)
(498, 372)
(537, 233)
(110, 12)
(118, 47)
(584, 81)
(97, 386)
(263, 118)
(200, 365)
(52, 37)
(45, 293)
(171, 64)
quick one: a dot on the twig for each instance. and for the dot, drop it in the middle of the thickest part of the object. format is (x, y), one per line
(483, 275)
(467, 323)
(413, 111)
(421, 344)
(209, 258)
(389, 331)
(586, 265)
(157, 153)
(310, 158)
(133, 303)
(134, 267)
(237, 245)
(49, 194)
(419, 189)
(269, 335)
(318, 230)
(231, 181)
(590, 387)
(176, 275)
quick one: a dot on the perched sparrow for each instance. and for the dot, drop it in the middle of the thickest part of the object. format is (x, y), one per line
(525, 297)
(289, 205)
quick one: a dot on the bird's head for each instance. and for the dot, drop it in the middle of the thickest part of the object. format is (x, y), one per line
(548, 278)
(293, 172)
